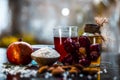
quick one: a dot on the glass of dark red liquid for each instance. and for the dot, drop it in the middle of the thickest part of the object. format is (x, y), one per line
(60, 35)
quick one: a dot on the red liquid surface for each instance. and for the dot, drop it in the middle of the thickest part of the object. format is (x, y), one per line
(58, 42)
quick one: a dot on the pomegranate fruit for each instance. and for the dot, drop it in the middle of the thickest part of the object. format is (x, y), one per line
(19, 53)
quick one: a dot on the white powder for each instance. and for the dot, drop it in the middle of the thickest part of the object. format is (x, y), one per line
(46, 53)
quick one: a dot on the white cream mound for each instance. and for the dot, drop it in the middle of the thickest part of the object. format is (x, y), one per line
(46, 52)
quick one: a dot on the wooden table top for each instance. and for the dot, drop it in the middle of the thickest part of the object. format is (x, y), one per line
(108, 70)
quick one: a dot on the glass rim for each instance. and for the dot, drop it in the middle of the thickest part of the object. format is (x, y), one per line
(63, 27)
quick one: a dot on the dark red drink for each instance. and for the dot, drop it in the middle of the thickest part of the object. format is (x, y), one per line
(58, 42)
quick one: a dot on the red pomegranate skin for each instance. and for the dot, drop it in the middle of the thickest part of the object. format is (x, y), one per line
(19, 53)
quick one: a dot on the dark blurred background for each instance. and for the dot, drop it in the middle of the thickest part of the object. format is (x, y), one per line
(33, 20)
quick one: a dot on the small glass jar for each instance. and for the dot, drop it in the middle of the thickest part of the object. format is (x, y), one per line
(92, 31)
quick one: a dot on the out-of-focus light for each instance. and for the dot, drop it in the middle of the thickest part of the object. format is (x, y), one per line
(97, 1)
(4, 17)
(65, 11)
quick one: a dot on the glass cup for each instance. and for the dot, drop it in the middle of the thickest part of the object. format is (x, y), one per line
(60, 35)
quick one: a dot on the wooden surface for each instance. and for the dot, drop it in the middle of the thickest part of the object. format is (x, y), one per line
(109, 70)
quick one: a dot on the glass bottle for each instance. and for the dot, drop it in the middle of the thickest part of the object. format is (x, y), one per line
(92, 31)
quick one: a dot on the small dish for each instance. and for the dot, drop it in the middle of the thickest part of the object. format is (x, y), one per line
(45, 56)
